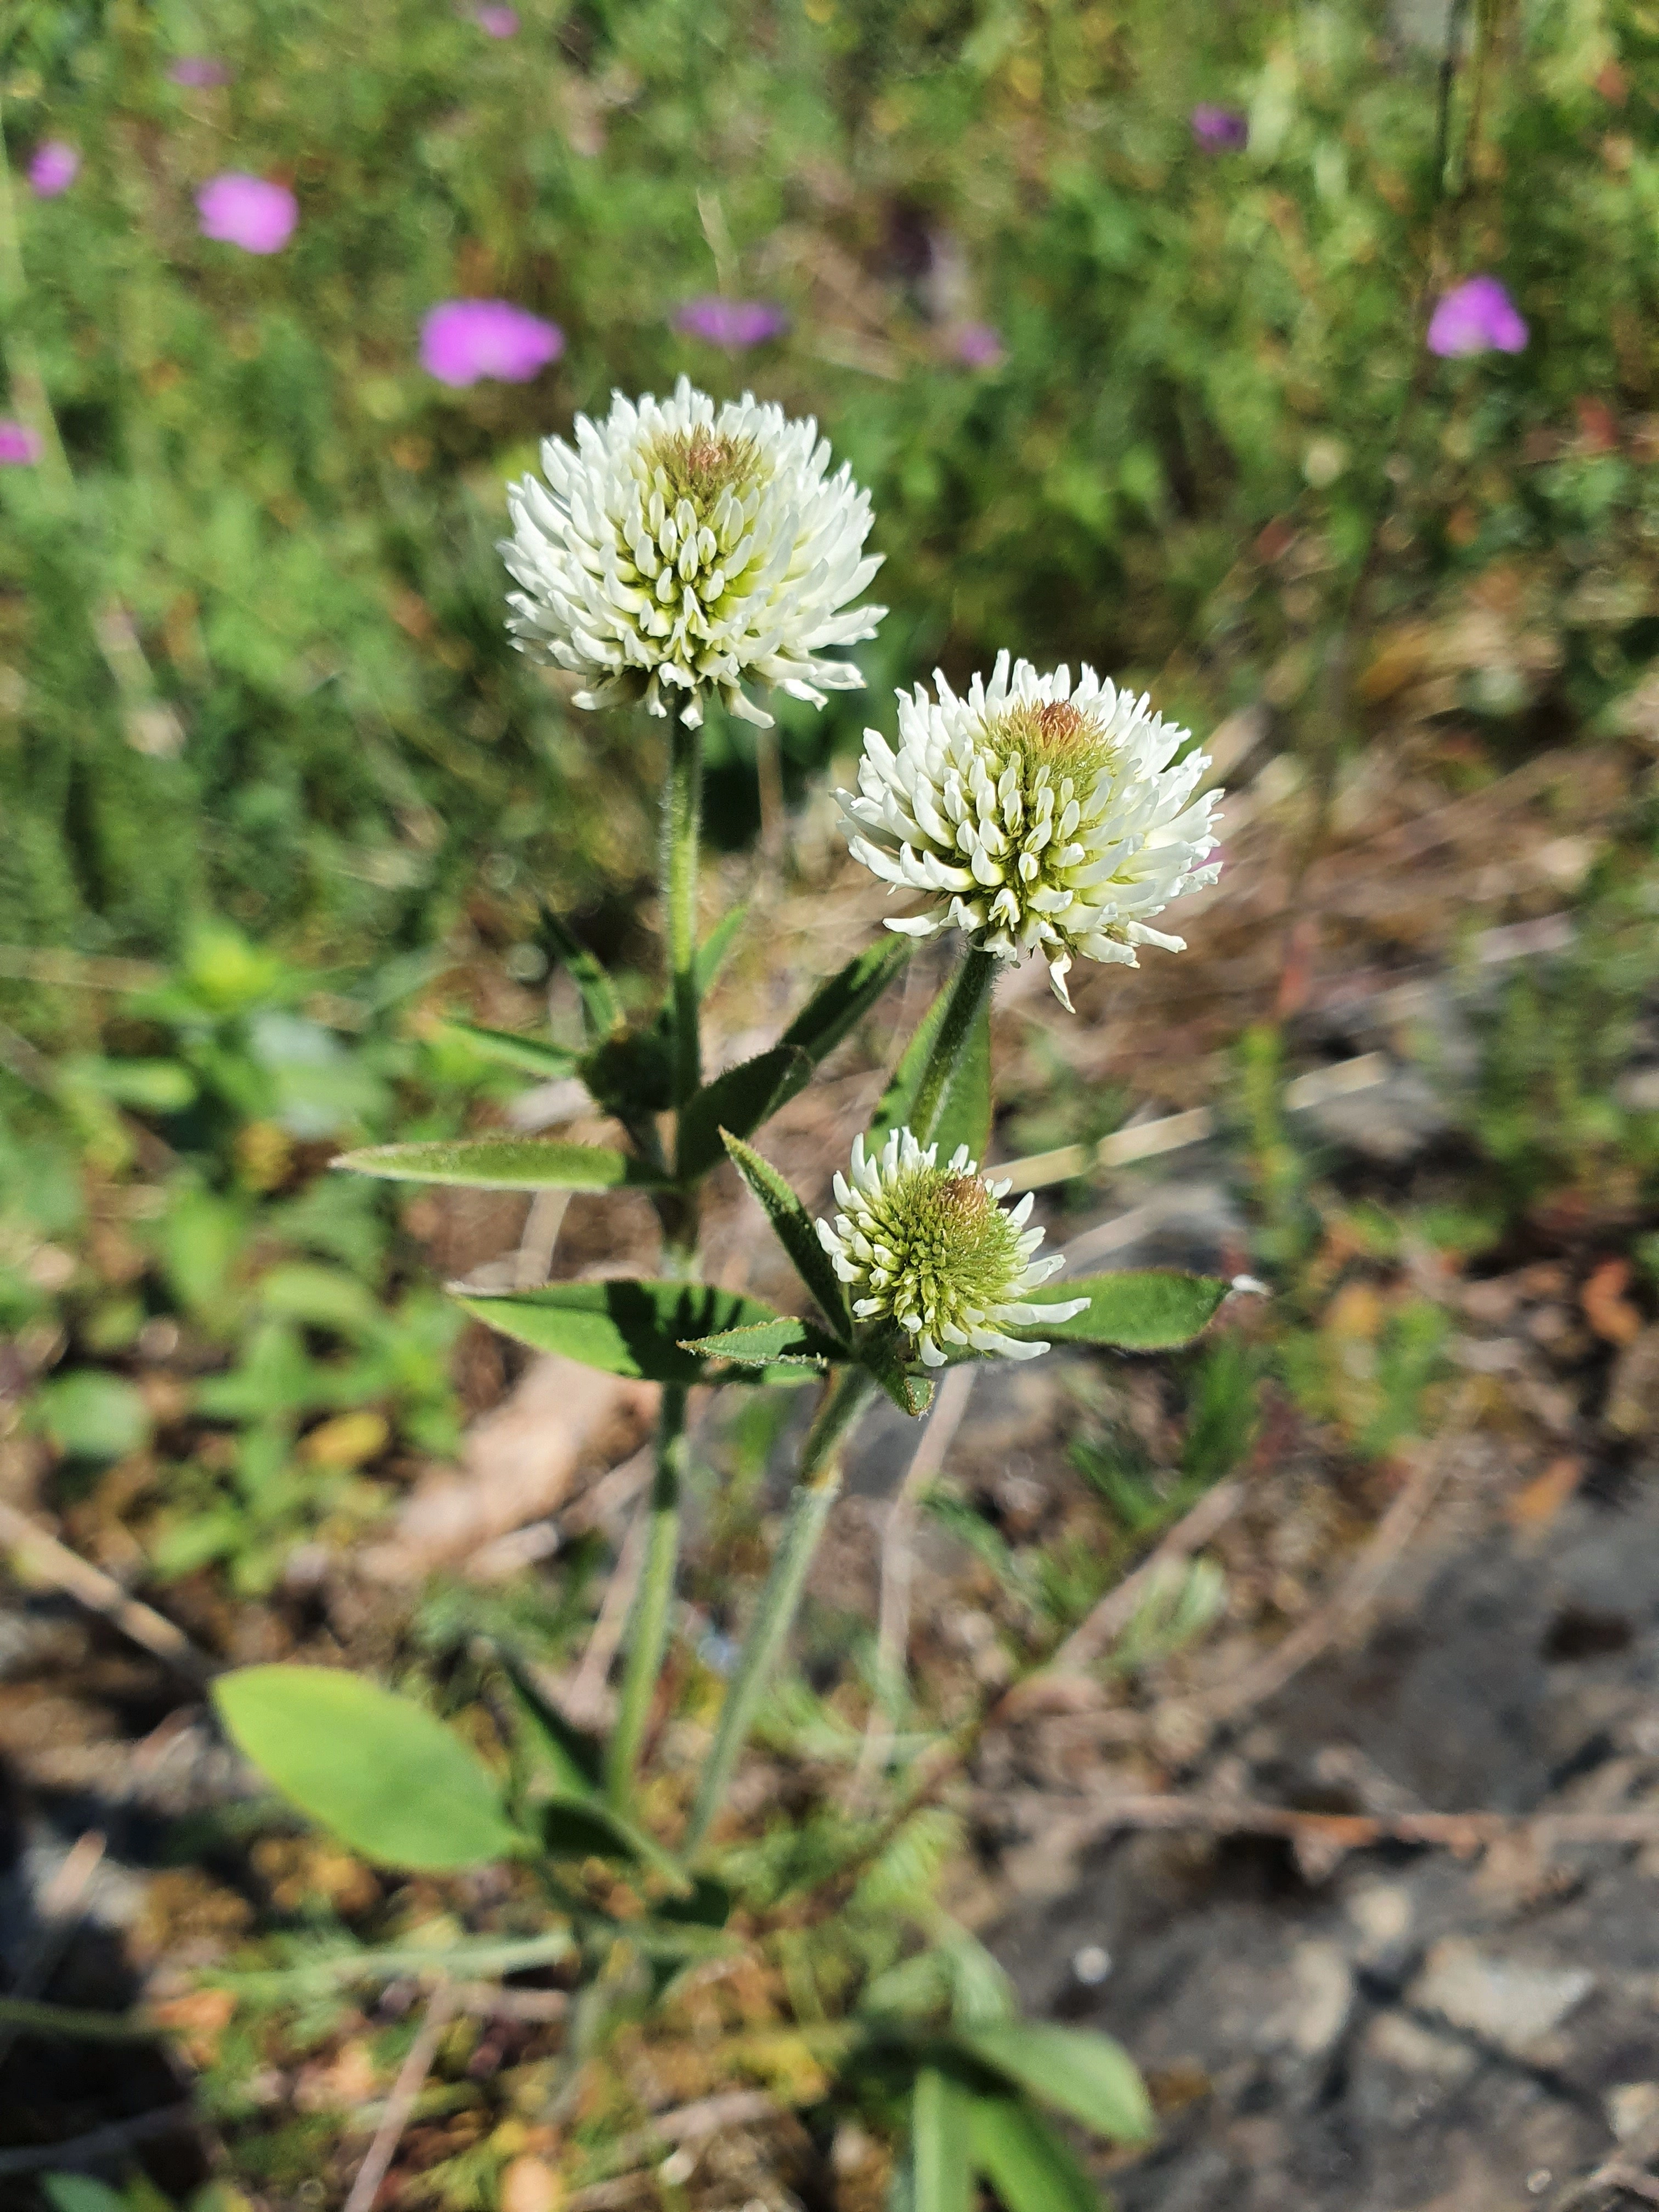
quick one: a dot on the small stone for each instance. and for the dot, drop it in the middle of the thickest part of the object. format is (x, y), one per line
(530, 2184)
(1090, 1965)
(1325, 1992)
(1399, 2041)
(1505, 2002)
(1632, 2106)
(1381, 1910)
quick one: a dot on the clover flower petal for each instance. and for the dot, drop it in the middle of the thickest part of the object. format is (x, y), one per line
(928, 1249)
(677, 546)
(1039, 815)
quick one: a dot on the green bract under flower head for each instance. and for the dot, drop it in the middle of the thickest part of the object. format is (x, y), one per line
(929, 1248)
(683, 547)
(1042, 815)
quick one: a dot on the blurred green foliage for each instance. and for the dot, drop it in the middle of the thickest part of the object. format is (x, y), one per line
(278, 543)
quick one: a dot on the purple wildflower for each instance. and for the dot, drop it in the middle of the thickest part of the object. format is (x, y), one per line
(463, 340)
(977, 345)
(247, 211)
(737, 325)
(53, 169)
(1478, 317)
(199, 72)
(19, 445)
(497, 22)
(1218, 130)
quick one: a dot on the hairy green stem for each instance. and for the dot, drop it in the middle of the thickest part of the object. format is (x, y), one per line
(649, 1620)
(969, 989)
(682, 822)
(818, 1484)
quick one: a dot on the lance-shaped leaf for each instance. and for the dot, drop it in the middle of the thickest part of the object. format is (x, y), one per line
(794, 1342)
(638, 1328)
(535, 1055)
(1025, 2161)
(1074, 2069)
(738, 1101)
(964, 1115)
(572, 1800)
(711, 954)
(795, 1229)
(505, 1163)
(1146, 1310)
(572, 1760)
(837, 1006)
(378, 1770)
(941, 2175)
(601, 1008)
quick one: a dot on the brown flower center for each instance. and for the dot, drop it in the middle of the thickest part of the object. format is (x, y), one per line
(701, 464)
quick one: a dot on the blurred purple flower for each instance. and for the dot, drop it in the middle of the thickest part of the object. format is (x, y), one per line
(53, 169)
(18, 445)
(976, 345)
(1218, 130)
(199, 72)
(1478, 317)
(497, 22)
(463, 340)
(736, 324)
(247, 211)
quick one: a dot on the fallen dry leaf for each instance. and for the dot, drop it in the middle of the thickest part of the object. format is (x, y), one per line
(1607, 1309)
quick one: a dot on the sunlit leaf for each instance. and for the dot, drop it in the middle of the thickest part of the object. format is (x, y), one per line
(1025, 2161)
(504, 1163)
(795, 1229)
(942, 2176)
(535, 1055)
(738, 1102)
(1148, 1310)
(376, 1770)
(628, 1328)
(1074, 2068)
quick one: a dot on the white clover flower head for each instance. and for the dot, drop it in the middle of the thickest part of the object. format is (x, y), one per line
(677, 546)
(1041, 816)
(930, 1249)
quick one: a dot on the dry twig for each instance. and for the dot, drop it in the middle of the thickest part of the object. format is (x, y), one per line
(101, 1593)
(400, 2106)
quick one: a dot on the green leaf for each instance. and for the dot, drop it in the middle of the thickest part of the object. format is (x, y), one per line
(79, 2192)
(938, 2143)
(1147, 1310)
(1074, 2068)
(582, 1827)
(1024, 2160)
(601, 1008)
(574, 1761)
(837, 1006)
(629, 1072)
(92, 1414)
(794, 1230)
(911, 1393)
(965, 1114)
(376, 1770)
(784, 1338)
(505, 1163)
(736, 1102)
(627, 1327)
(536, 1055)
(712, 953)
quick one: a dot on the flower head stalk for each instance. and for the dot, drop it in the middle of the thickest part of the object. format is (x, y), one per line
(681, 547)
(1040, 816)
(929, 1250)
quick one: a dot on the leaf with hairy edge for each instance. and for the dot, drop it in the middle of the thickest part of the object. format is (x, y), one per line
(601, 1008)
(911, 1393)
(965, 1114)
(794, 1230)
(1025, 2161)
(793, 1342)
(1146, 1310)
(835, 1007)
(535, 1055)
(505, 1163)
(635, 1328)
(376, 1770)
(711, 954)
(1074, 2068)
(738, 1101)
(941, 2174)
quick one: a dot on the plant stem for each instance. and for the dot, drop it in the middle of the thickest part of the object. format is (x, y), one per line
(818, 1484)
(648, 1622)
(969, 989)
(682, 822)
